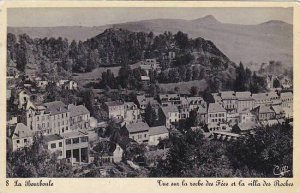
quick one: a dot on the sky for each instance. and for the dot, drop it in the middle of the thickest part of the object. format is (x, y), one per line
(49, 17)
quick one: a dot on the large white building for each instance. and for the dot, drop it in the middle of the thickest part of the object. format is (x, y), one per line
(132, 113)
(79, 117)
(115, 109)
(170, 115)
(216, 113)
(21, 136)
(156, 134)
(244, 101)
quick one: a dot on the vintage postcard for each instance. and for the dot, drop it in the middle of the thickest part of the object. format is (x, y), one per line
(131, 96)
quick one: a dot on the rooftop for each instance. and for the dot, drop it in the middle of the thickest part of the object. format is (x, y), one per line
(158, 130)
(215, 108)
(246, 126)
(228, 95)
(77, 110)
(264, 109)
(54, 137)
(21, 131)
(286, 95)
(260, 96)
(243, 95)
(278, 109)
(137, 127)
(56, 107)
(72, 134)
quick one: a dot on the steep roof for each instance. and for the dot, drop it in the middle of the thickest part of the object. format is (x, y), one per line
(56, 107)
(137, 127)
(21, 131)
(215, 108)
(277, 109)
(265, 109)
(158, 130)
(77, 110)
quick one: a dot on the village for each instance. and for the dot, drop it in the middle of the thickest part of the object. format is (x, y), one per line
(74, 135)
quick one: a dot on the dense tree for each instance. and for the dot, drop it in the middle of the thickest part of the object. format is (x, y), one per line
(191, 156)
(194, 91)
(150, 115)
(35, 161)
(269, 146)
(240, 78)
(276, 83)
(182, 40)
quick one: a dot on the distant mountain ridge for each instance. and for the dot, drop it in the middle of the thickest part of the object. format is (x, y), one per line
(271, 40)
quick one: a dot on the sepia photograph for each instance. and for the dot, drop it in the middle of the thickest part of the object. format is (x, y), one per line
(144, 92)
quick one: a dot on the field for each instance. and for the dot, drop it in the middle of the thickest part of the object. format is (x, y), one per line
(95, 75)
(185, 87)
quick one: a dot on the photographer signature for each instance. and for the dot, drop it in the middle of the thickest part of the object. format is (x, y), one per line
(280, 171)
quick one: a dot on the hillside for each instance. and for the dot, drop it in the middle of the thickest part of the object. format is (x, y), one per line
(113, 47)
(271, 40)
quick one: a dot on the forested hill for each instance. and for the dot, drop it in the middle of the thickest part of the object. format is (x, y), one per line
(113, 47)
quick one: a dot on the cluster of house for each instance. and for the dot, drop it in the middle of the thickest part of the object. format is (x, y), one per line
(33, 82)
(68, 129)
(231, 112)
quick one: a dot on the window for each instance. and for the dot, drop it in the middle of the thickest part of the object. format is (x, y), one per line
(60, 144)
(67, 128)
(75, 140)
(53, 145)
(84, 139)
(68, 141)
(145, 135)
(62, 115)
(18, 141)
(25, 140)
(37, 118)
